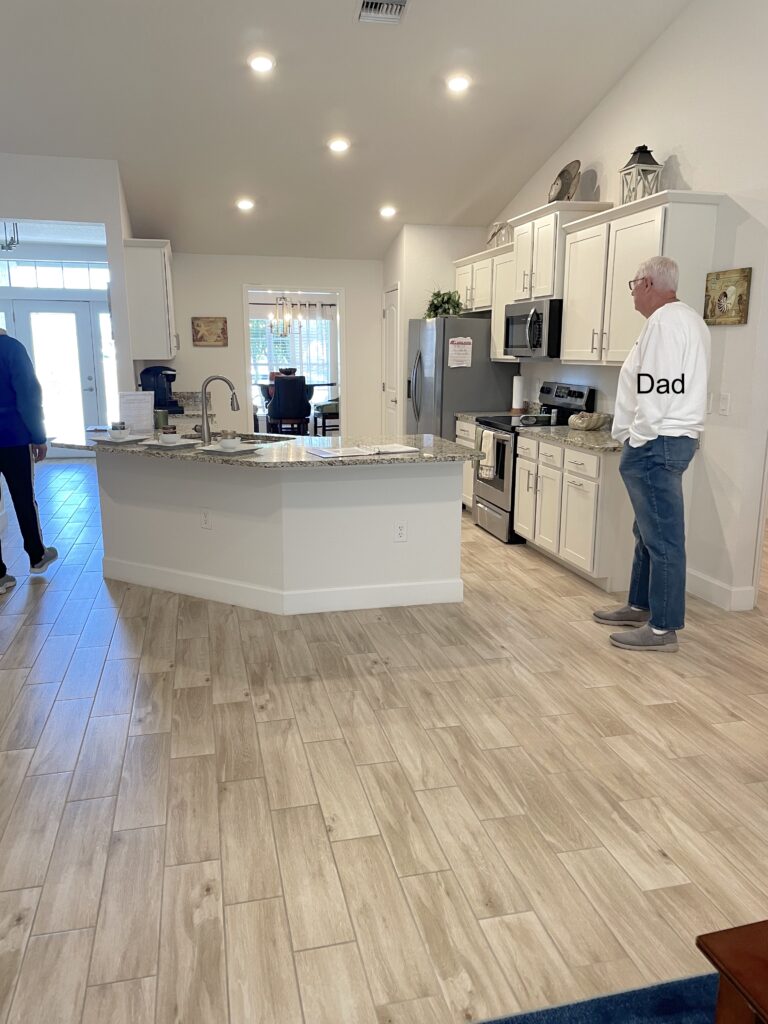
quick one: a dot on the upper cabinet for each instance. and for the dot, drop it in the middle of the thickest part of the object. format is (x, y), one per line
(602, 254)
(531, 266)
(473, 283)
(149, 289)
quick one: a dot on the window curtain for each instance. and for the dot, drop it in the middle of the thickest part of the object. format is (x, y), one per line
(313, 350)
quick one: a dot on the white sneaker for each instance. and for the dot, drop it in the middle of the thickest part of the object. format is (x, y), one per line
(49, 555)
(6, 583)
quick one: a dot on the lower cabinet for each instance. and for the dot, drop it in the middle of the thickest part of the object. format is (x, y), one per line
(548, 490)
(525, 498)
(468, 484)
(578, 521)
(579, 514)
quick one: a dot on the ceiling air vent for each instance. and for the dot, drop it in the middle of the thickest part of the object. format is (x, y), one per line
(387, 12)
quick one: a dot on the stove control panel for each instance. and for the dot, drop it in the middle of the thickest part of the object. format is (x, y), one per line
(576, 397)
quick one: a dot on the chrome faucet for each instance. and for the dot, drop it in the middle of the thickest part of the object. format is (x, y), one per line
(233, 403)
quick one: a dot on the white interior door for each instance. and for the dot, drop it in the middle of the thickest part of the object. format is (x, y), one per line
(59, 339)
(390, 418)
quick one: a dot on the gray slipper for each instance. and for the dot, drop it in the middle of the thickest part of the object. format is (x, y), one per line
(626, 616)
(6, 583)
(49, 555)
(644, 639)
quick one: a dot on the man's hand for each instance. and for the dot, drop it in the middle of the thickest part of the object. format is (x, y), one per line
(39, 451)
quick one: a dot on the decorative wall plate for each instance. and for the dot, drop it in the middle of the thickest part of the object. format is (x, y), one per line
(565, 184)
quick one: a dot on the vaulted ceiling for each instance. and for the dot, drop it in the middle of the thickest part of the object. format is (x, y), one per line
(163, 87)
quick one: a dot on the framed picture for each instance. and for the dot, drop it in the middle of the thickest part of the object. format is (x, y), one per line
(209, 332)
(726, 300)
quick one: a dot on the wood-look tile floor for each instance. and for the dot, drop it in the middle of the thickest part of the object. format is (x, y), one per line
(432, 814)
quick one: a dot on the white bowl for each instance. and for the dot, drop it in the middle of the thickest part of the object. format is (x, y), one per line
(117, 435)
(168, 438)
(228, 444)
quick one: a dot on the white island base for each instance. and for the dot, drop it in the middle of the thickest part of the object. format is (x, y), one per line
(299, 539)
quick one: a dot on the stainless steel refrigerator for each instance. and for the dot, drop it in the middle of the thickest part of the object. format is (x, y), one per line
(436, 390)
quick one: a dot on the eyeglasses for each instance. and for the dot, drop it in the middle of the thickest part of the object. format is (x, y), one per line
(635, 281)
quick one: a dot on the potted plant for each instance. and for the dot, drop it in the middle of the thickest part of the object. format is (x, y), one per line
(443, 304)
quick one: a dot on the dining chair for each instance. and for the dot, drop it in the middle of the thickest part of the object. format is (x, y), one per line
(289, 406)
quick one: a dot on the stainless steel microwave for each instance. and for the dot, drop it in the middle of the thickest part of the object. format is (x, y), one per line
(532, 329)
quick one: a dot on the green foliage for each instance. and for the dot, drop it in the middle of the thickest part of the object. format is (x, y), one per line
(443, 304)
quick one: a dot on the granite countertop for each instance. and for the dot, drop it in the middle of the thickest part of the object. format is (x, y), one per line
(470, 417)
(282, 452)
(590, 440)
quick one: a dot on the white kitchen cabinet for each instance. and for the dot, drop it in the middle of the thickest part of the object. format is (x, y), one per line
(543, 256)
(149, 289)
(524, 519)
(503, 294)
(600, 323)
(524, 257)
(549, 485)
(474, 283)
(584, 284)
(465, 436)
(578, 515)
(578, 521)
(482, 282)
(464, 284)
(632, 240)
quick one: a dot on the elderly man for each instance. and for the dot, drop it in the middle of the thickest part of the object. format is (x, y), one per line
(660, 408)
(22, 443)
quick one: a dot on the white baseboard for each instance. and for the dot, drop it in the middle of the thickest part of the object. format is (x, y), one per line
(731, 599)
(291, 602)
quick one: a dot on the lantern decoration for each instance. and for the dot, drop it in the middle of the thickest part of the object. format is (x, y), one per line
(641, 176)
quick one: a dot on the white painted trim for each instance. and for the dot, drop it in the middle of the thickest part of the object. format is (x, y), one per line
(290, 602)
(341, 327)
(641, 205)
(731, 599)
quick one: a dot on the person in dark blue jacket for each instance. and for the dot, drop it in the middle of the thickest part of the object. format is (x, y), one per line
(22, 444)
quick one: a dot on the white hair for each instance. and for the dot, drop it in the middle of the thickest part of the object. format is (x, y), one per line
(661, 271)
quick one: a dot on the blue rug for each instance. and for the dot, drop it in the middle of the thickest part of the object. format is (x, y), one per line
(690, 1001)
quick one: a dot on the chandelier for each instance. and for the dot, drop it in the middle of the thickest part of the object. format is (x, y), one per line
(286, 317)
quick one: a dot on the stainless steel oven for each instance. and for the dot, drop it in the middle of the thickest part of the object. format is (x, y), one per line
(492, 506)
(532, 329)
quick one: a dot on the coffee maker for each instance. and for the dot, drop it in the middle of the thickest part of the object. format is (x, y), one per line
(159, 379)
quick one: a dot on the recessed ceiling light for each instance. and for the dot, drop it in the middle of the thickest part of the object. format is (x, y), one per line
(388, 211)
(459, 83)
(245, 204)
(262, 63)
(338, 145)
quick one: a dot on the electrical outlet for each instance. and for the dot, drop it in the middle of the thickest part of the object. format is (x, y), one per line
(206, 521)
(400, 533)
(725, 404)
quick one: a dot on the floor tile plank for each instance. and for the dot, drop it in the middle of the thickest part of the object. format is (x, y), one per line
(248, 858)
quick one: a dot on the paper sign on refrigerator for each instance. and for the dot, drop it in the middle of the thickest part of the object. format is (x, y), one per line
(459, 351)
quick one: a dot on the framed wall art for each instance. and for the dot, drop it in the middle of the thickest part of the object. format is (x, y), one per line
(209, 332)
(726, 299)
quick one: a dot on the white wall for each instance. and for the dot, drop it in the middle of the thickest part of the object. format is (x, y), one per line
(701, 109)
(420, 260)
(68, 189)
(213, 286)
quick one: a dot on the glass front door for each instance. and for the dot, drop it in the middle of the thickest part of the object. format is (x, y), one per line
(70, 344)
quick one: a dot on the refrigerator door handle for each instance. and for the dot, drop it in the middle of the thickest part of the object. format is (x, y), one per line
(412, 385)
(417, 401)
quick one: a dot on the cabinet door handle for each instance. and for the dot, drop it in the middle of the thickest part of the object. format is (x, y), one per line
(573, 462)
(575, 483)
(525, 274)
(594, 334)
(547, 455)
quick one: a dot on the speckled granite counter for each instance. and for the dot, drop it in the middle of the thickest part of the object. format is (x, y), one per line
(279, 452)
(589, 440)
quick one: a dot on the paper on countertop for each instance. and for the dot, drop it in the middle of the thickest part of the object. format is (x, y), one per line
(459, 351)
(348, 453)
(137, 410)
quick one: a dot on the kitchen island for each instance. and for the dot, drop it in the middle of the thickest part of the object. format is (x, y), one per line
(284, 531)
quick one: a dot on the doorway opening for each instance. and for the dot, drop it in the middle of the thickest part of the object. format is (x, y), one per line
(298, 331)
(54, 298)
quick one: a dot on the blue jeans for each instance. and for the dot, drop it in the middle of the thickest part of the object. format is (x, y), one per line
(653, 476)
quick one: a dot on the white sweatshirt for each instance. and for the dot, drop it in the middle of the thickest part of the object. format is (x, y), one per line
(672, 351)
